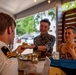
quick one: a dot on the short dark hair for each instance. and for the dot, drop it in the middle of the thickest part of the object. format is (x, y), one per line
(71, 27)
(5, 21)
(46, 20)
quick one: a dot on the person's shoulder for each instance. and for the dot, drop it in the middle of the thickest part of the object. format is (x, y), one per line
(37, 37)
(60, 46)
(51, 35)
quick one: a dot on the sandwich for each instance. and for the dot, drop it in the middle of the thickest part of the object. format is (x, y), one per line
(24, 45)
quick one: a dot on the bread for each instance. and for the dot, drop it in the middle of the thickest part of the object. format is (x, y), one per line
(24, 45)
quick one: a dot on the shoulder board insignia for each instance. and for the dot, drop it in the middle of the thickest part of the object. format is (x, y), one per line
(7, 52)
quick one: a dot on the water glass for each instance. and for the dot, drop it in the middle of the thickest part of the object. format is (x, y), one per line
(55, 55)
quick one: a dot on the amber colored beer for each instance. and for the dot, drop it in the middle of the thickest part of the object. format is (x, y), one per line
(34, 58)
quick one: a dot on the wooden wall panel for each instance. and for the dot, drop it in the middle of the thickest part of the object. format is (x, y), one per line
(68, 19)
(60, 36)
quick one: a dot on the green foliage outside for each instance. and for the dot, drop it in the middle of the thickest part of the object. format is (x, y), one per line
(69, 5)
(25, 25)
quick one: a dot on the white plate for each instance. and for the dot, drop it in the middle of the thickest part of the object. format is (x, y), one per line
(24, 57)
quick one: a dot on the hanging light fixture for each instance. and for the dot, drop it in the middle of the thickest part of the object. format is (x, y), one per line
(48, 1)
(34, 0)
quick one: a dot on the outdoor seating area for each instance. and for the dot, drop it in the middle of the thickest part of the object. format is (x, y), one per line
(38, 51)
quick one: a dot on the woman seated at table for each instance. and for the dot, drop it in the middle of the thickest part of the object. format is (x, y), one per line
(68, 48)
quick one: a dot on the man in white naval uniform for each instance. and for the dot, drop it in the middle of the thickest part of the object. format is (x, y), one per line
(8, 64)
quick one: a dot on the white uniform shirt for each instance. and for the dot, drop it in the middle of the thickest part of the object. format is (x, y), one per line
(8, 66)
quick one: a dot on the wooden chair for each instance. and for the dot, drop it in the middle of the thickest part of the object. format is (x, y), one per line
(55, 71)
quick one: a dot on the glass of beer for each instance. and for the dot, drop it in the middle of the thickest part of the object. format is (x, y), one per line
(34, 58)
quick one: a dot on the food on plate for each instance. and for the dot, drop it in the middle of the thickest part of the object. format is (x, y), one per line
(29, 57)
(25, 45)
(26, 57)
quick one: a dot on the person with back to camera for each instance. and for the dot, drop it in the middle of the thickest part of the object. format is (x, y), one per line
(44, 42)
(8, 60)
(68, 48)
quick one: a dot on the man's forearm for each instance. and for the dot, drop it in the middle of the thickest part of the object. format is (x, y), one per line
(42, 48)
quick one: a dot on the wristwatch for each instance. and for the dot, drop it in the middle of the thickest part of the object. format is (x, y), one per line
(35, 48)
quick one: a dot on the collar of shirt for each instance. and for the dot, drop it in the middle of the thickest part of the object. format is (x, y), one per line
(3, 44)
(45, 36)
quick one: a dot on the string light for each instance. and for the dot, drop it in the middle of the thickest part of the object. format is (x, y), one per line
(48, 1)
(34, 0)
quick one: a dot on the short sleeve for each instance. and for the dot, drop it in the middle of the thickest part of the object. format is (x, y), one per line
(10, 67)
(50, 44)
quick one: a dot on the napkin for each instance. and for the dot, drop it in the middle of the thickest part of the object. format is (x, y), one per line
(46, 66)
